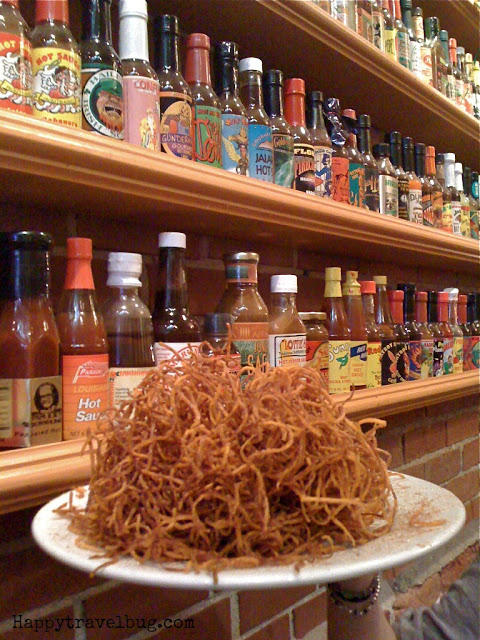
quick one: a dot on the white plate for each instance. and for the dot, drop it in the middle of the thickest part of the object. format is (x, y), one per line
(404, 543)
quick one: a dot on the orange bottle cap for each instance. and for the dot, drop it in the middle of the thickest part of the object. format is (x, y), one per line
(198, 40)
(396, 295)
(421, 296)
(443, 296)
(295, 85)
(430, 152)
(462, 299)
(79, 248)
(349, 113)
(367, 286)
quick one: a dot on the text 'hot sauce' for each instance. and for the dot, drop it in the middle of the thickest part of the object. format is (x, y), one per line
(15, 59)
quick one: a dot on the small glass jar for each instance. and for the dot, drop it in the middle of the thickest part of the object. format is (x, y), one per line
(317, 341)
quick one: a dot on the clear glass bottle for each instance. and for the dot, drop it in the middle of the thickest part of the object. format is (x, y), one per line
(464, 202)
(384, 321)
(427, 191)
(450, 72)
(427, 339)
(340, 158)
(456, 329)
(414, 42)
(415, 351)
(467, 333)
(388, 181)
(466, 97)
(356, 168)
(374, 335)
(338, 331)
(216, 340)
(402, 336)
(304, 151)
(439, 61)
(446, 330)
(415, 211)
(468, 184)
(470, 93)
(452, 48)
(402, 39)
(438, 337)
(317, 341)
(352, 296)
(17, 82)
(450, 183)
(447, 222)
(425, 53)
(321, 144)
(378, 23)
(287, 335)
(394, 138)
(437, 190)
(372, 194)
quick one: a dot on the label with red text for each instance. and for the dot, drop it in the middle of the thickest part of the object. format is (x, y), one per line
(16, 79)
(122, 382)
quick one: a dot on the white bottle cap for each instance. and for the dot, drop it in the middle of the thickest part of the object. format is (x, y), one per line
(452, 293)
(250, 64)
(458, 167)
(124, 269)
(137, 8)
(283, 284)
(172, 239)
(449, 157)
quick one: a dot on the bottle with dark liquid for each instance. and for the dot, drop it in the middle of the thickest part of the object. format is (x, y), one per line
(387, 180)
(283, 148)
(340, 159)
(384, 320)
(176, 104)
(473, 204)
(394, 138)
(321, 144)
(358, 330)
(446, 223)
(427, 191)
(374, 335)
(15, 59)
(356, 168)
(450, 183)
(303, 145)
(372, 195)
(427, 335)
(402, 336)
(437, 190)
(439, 62)
(438, 338)
(445, 328)
(129, 328)
(474, 322)
(415, 211)
(415, 351)
(467, 332)
(338, 331)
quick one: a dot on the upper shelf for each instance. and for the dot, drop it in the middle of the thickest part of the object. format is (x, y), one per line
(44, 165)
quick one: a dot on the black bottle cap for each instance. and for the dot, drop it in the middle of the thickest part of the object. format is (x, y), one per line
(440, 158)
(167, 23)
(406, 4)
(24, 264)
(407, 142)
(417, 12)
(381, 150)
(364, 121)
(467, 171)
(474, 176)
(394, 137)
(273, 76)
(314, 97)
(217, 323)
(444, 35)
(419, 149)
(226, 49)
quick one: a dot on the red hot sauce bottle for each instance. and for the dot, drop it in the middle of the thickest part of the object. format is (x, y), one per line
(304, 152)
(15, 59)
(340, 159)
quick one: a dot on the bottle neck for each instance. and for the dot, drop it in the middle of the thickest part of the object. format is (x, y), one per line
(420, 165)
(79, 274)
(440, 169)
(418, 27)
(453, 56)
(458, 181)
(397, 311)
(462, 312)
(408, 163)
(333, 289)
(315, 117)
(407, 17)
(241, 273)
(54, 10)
(442, 309)
(273, 96)
(471, 311)
(452, 312)
(284, 301)
(133, 38)
(421, 311)
(352, 141)
(432, 311)
(122, 291)
(166, 50)
(251, 89)
(430, 168)
(409, 306)
(449, 174)
(197, 66)
(28, 275)
(369, 307)
(172, 281)
(396, 154)
(383, 311)
(364, 141)
(467, 183)
(96, 22)
(227, 76)
(295, 109)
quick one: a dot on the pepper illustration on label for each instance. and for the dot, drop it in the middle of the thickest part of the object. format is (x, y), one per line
(102, 102)
(16, 78)
(340, 182)
(176, 123)
(208, 136)
(235, 143)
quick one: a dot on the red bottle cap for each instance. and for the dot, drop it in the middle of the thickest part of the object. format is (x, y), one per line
(51, 10)
(452, 43)
(79, 268)
(349, 113)
(396, 295)
(443, 296)
(462, 299)
(430, 152)
(421, 296)
(197, 59)
(367, 286)
(79, 248)
(295, 85)
(198, 40)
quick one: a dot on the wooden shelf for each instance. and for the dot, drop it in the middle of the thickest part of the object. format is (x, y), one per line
(65, 170)
(29, 477)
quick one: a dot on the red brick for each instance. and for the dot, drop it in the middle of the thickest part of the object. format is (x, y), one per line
(415, 470)
(276, 630)
(256, 607)
(443, 467)
(213, 622)
(424, 439)
(59, 633)
(466, 486)
(309, 615)
(473, 509)
(461, 427)
(407, 418)
(392, 442)
(452, 407)
(471, 454)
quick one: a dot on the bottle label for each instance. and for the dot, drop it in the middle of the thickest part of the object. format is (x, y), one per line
(142, 112)
(427, 359)
(235, 143)
(467, 353)
(287, 349)
(403, 195)
(57, 88)
(251, 340)
(372, 193)
(358, 363)
(459, 92)
(166, 350)
(402, 42)
(457, 355)
(447, 356)
(366, 25)
(304, 168)
(388, 361)
(207, 123)
(85, 393)
(388, 195)
(339, 10)
(283, 159)
(465, 220)
(446, 224)
(16, 79)
(176, 124)
(474, 353)
(323, 171)
(427, 210)
(122, 381)
(474, 223)
(339, 366)
(374, 364)
(317, 357)
(390, 46)
(246, 272)
(456, 218)
(437, 206)
(426, 65)
(415, 360)
(438, 358)
(30, 411)
(416, 58)
(261, 152)
(102, 101)
(340, 182)
(356, 179)
(475, 189)
(403, 361)
(451, 87)
(378, 23)
(415, 210)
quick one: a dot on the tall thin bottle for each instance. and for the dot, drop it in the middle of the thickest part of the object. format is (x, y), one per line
(446, 329)
(56, 66)
(358, 330)
(15, 59)
(283, 147)
(468, 183)
(340, 159)
(450, 183)
(415, 351)
(446, 222)
(402, 40)
(287, 338)
(470, 91)
(389, 31)
(83, 344)
(474, 192)
(176, 104)
(427, 191)
(375, 334)
(438, 336)
(259, 127)
(437, 191)
(338, 331)
(466, 97)
(378, 24)
(427, 339)
(387, 180)
(402, 336)
(439, 61)
(473, 321)
(464, 202)
(467, 332)
(356, 168)
(395, 141)
(450, 72)
(384, 320)
(364, 19)
(303, 145)
(140, 82)
(456, 330)
(415, 211)
(234, 114)
(452, 48)
(425, 53)
(322, 145)
(372, 194)
(414, 41)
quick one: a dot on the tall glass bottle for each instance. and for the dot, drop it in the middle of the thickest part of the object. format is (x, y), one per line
(445, 328)
(322, 145)
(358, 330)
(450, 183)
(473, 321)
(363, 19)
(450, 72)
(467, 332)
(140, 82)
(439, 61)
(243, 301)
(176, 104)
(427, 339)
(415, 211)
(402, 336)
(414, 41)
(56, 65)
(446, 223)
(374, 335)
(466, 97)
(388, 181)
(395, 141)
(234, 114)
(427, 191)
(339, 11)
(425, 54)
(83, 344)
(402, 40)
(378, 24)
(303, 145)
(283, 147)
(15, 59)
(389, 31)
(287, 337)
(340, 159)
(128, 323)
(437, 191)
(452, 48)
(102, 87)
(207, 119)
(476, 84)
(216, 340)
(384, 320)
(456, 330)
(356, 167)
(438, 337)
(415, 351)
(372, 194)
(259, 128)
(175, 330)
(470, 92)
(467, 183)
(338, 331)
(464, 202)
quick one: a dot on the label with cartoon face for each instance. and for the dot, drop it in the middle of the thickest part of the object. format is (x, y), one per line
(16, 80)
(176, 124)
(235, 143)
(142, 112)
(102, 101)
(338, 366)
(56, 86)
(323, 171)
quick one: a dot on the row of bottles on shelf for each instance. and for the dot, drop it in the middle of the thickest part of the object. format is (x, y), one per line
(58, 374)
(399, 30)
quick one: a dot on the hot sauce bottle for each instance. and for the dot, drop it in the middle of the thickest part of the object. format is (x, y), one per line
(207, 118)
(83, 344)
(317, 341)
(259, 127)
(465, 105)
(414, 41)
(402, 40)
(438, 338)
(427, 335)
(446, 223)
(427, 191)
(384, 320)
(378, 24)
(56, 58)
(173, 326)
(394, 138)
(467, 333)
(303, 146)
(340, 159)
(283, 147)
(30, 382)
(234, 114)
(176, 104)
(425, 53)
(468, 185)
(356, 167)
(402, 336)
(287, 337)
(415, 351)
(102, 86)
(445, 328)
(456, 330)
(390, 31)
(415, 211)
(358, 330)
(439, 62)
(388, 181)
(338, 331)
(372, 195)
(243, 301)
(450, 73)
(473, 321)
(464, 202)
(374, 335)
(215, 345)
(363, 19)
(437, 190)
(321, 144)
(452, 48)
(140, 82)
(15, 59)
(449, 159)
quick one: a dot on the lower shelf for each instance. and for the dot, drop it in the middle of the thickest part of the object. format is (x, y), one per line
(29, 477)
